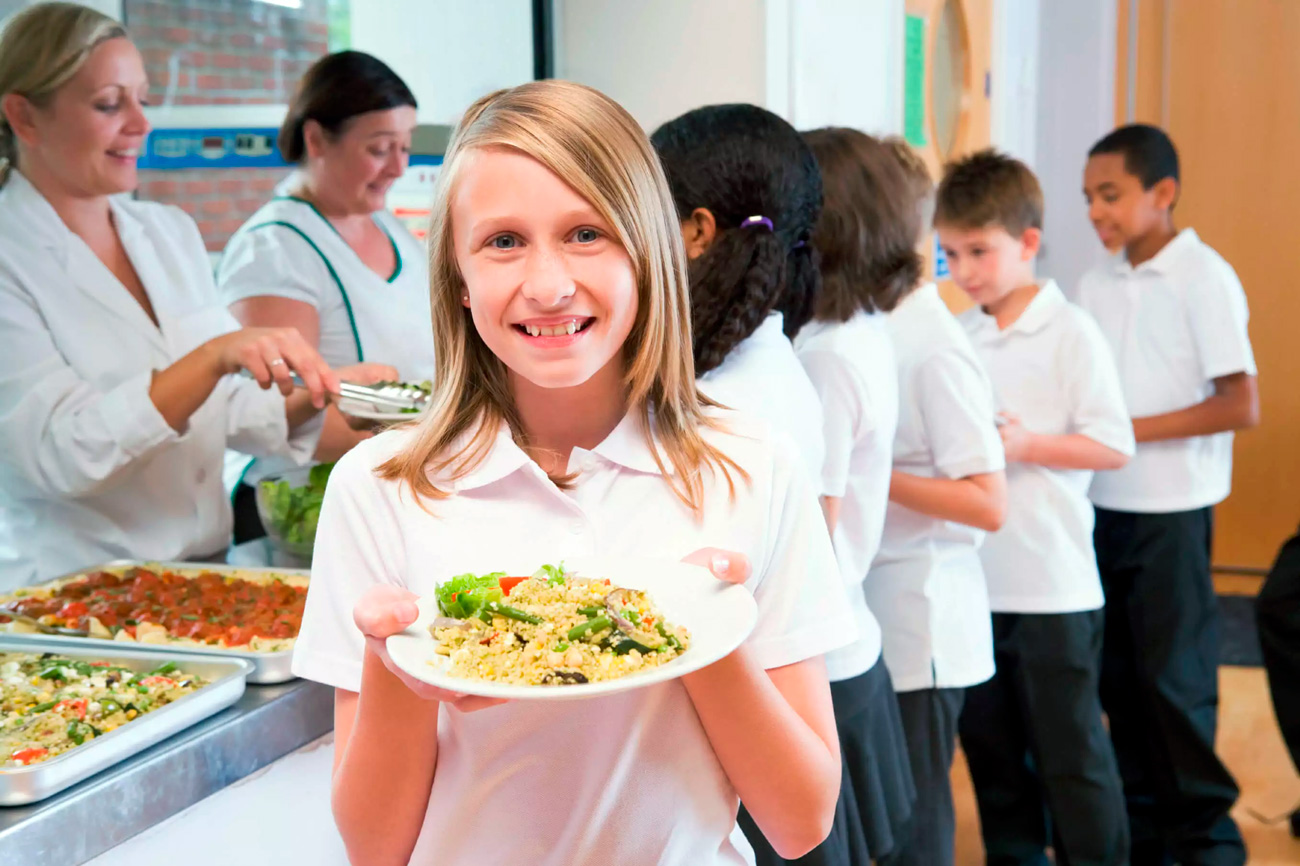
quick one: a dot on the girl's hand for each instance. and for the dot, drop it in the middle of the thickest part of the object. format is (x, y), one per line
(726, 565)
(387, 610)
(272, 356)
(1016, 440)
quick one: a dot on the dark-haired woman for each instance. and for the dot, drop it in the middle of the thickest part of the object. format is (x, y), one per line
(748, 193)
(325, 256)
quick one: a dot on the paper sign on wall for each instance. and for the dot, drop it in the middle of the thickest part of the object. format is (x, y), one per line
(940, 260)
(914, 81)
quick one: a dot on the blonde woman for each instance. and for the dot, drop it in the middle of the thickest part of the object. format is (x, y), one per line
(566, 413)
(118, 385)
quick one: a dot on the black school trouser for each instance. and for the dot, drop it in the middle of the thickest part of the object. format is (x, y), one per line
(1159, 686)
(930, 725)
(1036, 745)
(1277, 611)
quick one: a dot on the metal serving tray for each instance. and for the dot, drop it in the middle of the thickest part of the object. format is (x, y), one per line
(22, 785)
(268, 667)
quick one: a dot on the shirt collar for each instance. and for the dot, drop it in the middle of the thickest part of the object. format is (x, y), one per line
(34, 217)
(39, 222)
(625, 446)
(1165, 260)
(1047, 302)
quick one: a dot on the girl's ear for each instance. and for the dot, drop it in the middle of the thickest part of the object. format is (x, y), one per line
(698, 231)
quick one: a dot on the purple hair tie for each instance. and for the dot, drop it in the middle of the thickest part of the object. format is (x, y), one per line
(798, 245)
(750, 222)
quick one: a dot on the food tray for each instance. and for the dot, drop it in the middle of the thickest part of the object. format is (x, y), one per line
(268, 667)
(22, 785)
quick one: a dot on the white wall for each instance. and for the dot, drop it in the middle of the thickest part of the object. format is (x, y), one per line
(846, 63)
(1015, 71)
(659, 58)
(450, 52)
(1075, 107)
(815, 62)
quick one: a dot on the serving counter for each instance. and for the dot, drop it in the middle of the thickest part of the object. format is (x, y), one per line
(129, 798)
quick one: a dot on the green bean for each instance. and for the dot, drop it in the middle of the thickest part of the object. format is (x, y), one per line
(591, 626)
(514, 613)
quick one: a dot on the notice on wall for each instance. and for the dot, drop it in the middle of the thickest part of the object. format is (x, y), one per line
(914, 81)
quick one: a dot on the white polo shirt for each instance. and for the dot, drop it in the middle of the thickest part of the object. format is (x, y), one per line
(851, 364)
(1052, 368)
(926, 586)
(762, 377)
(1175, 323)
(608, 780)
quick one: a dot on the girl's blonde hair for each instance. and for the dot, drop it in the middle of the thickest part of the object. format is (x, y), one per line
(592, 144)
(41, 48)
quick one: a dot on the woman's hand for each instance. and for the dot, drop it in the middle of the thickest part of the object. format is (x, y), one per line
(367, 373)
(387, 610)
(272, 356)
(727, 565)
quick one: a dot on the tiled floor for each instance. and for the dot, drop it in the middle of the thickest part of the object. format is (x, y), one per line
(1250, 744)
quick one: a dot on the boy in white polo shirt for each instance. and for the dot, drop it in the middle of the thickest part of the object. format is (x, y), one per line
(1175, 316)
(1043, 768)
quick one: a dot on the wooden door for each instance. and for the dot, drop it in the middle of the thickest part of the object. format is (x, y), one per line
(947, 108)
(1223, 78)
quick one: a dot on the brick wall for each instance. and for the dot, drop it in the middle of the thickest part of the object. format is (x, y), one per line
(224, 52)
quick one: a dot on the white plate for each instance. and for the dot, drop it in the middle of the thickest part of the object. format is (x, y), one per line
(371, 412)
(718, 615)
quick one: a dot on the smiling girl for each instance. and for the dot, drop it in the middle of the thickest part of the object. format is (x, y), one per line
(567, 422)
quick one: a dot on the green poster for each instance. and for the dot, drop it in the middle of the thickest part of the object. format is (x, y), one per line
(914, 81)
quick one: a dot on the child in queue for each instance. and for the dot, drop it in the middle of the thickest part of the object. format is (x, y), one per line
(566, 411)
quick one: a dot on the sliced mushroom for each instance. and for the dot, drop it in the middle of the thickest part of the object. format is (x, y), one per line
(611, 608)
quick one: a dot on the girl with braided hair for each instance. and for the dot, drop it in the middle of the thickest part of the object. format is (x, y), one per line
(748, 193)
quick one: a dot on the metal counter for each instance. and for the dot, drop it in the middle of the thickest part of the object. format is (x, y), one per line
(128, 798)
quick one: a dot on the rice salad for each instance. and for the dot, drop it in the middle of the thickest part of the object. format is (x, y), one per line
(551, 629)
(50, 704)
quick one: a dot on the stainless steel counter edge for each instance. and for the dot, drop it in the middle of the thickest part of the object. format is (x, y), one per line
(111, 807)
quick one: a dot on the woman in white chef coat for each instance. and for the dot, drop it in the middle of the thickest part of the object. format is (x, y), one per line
(118, 377)
(325, 256)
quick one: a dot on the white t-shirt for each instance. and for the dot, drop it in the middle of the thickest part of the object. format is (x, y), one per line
(762, 377)
(1052, 368)
(617, 779)
(851, 364)
(927, 586)
(289, 250)
(1175, 323)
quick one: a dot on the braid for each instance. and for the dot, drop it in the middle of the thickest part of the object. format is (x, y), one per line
(740, 162)
(743, 266)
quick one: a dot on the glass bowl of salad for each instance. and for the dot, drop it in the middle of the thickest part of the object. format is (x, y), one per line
(289, 505)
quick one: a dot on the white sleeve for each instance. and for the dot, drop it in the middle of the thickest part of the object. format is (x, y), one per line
(274, 260)
(803, 610)
(846, 414)
(62, 435)
(1097, 408)
(358, 546)
(255, 417)
(1216, 306)
(956, 403)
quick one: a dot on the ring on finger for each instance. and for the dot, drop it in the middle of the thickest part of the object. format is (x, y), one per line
(276, 361)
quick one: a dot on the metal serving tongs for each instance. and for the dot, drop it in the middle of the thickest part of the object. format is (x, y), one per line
(42, 627)
(390, 395)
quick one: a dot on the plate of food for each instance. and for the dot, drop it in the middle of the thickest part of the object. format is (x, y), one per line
(581, 629)
(417, 392)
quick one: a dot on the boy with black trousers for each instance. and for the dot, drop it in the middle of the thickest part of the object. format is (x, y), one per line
(1042, 765)
(1175, 316)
